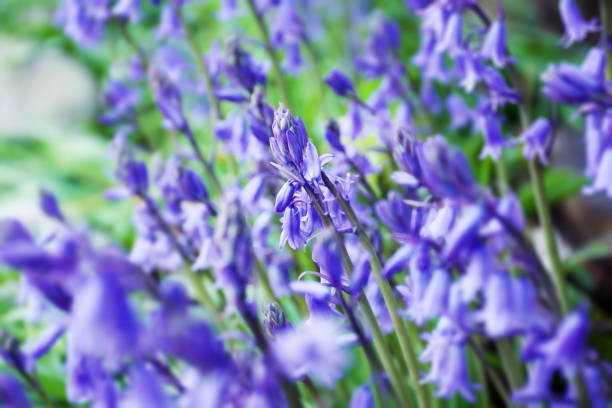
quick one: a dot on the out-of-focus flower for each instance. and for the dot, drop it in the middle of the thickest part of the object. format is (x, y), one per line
(576, 27)
(491, 129)
(494, 46)
(102, 311)
(536, 140)
(84, 21)
(445, 351)
(49, 205)
(12, 393)
(340, 84)
(314, 348)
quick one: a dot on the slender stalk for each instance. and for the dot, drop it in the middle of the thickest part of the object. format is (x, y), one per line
(491, 372)
(605, 15)
(508, 357)
(208, 168)
(502, 177)
(367, 348)
(552, 250)
(215, 104)
(131, 41)
(408, 353)
(265, 37)
(377, 335)
(537, 182)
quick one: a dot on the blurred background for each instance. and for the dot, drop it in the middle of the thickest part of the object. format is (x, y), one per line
(52, 97)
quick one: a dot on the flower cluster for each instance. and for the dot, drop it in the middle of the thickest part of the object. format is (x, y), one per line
(267, 287)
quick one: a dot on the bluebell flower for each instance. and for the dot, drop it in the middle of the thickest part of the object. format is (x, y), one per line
(499, 92)
(170, 20)
(12, 393)
(274, 320)
(315, 348)
(332, 134)
(362, 397)
(291, 232)
(340, 84)
(128, 9)
(445, 351)
(326, 255)
(465, 232)
(435, 299)
(445, 170)
(36, 348)
(49, 206)
(173, 330)
(395, 214)
(86, 379)
(536, 139)
(398, 261)
(135, 176)
(511, 306)
(602, 180)
(491, 129)
(459, 112)
(192, 185)
(473, 69)
(145, 389)
(101, 309)
(240, 66)
(294, 154)
(167, 98)
(482, 263)
(567, 347)
(84, 21)
(121, 101)
(494, 46)
(576, 27)
(569, 84)
(452, 41)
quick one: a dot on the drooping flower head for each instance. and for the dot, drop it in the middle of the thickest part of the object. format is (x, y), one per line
(314, 348)
(576, 27)
(536, 139)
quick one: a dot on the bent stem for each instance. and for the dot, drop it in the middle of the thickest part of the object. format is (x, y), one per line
(408, 353)
(208, 168)
(215, 111)
(265, 37)
(377, 335)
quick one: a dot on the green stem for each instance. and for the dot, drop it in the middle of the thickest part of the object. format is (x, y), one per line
(552, 250)
(198, 54)
(491, 372)
(605, 14)
(505, 347)
(215, 103)
(408, 353)
(208, 168)
(272, 54)
(129, 39)
(502, 177)
(377, 335)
